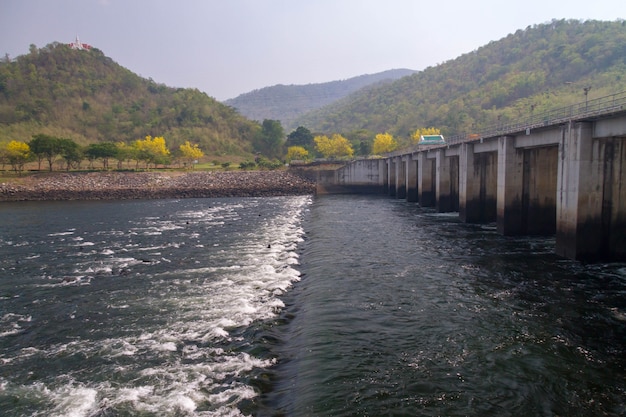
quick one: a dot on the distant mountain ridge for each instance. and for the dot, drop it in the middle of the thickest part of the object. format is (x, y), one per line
(288, 102)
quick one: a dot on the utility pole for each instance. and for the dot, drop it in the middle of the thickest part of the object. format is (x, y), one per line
(586, 90)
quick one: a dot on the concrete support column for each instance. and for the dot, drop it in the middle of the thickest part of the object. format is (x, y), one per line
(578, 204)
(614, 199)
(510, 187)
(580, 184)
(391, 175)
(426, 191)
(477, 185)
(411, 179)
(469, 186)
(443, 183)
(384, 171)
(400, 177)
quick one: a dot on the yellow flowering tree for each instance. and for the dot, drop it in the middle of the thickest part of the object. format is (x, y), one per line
(296, 152)
(424, 131)
(383, 143)
(191, 152)
(334, 147)
(152, 150)
(17, 154)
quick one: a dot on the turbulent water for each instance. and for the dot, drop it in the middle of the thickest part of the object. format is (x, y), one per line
(298, 306)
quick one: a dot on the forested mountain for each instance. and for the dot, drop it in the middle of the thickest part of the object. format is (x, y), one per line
(542, 67)
(288, 102)
(85, 96)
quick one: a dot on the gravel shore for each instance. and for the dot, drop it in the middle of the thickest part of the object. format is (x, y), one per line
(152, 185)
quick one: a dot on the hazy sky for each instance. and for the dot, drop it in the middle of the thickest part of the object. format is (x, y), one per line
(229, 47)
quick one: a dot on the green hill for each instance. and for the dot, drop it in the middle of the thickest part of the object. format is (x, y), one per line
(85, 96)
(287, 102)
(542, 67)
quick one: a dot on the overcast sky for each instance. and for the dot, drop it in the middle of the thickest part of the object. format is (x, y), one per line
(229, 47)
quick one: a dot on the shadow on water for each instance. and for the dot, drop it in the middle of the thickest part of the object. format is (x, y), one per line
(404, 311)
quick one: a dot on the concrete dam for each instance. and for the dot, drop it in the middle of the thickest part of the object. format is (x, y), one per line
(560, 173)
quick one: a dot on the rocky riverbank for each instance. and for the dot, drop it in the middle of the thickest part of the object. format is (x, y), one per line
(152, 185)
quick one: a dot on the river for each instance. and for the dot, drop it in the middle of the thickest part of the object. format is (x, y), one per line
(298, 306)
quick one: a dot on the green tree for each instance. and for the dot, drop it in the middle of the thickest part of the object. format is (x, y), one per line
(123, 153)
(70, 152)
(269, 139)
(45, 147)
(301, 137)
(102, 150)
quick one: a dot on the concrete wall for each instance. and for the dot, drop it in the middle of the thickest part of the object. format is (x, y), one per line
(361, 176)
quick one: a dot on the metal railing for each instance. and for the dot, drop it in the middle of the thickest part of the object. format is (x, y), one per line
(589, 108)
(613, 103)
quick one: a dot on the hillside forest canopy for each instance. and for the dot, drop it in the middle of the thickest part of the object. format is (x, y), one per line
(85, 98)
(529, 72)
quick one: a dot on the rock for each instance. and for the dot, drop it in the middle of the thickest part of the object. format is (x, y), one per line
(149, 185)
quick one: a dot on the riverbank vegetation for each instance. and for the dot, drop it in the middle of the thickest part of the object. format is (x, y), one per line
(62, 154)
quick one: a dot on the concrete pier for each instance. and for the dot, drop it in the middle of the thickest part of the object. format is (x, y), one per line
(426, 176)
(477, 183)
(411, 178)
(400, 163)
(591, 205)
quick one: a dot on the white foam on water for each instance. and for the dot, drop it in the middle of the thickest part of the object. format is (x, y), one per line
(11, 323)
(78, 402)
(180, 367)
(67, 233)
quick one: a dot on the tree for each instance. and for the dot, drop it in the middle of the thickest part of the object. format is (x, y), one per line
(103, 150)
(269, 139)
(334, 147)
(123, 152)
(362, 140)
(384, 143)
(70, 152)
(424, 131)
(301, 137)
(152, 150)
(17, 154)
(296, 152)
(191, 152)
(45, 147)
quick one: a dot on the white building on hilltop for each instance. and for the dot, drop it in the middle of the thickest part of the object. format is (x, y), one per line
(77, 44)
